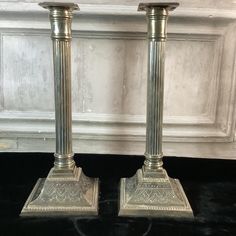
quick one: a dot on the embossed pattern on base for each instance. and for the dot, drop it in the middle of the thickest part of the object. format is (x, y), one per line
(55, 196)
(160, 197)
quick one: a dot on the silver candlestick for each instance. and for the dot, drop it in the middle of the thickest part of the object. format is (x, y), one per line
(66, 190)
(150, 192)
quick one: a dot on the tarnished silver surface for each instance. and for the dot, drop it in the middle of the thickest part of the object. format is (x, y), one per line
(66, 190)
(58, 196)
(151, 192)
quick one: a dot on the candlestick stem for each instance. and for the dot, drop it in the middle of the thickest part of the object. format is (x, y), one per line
(66, 190)
(150, 192)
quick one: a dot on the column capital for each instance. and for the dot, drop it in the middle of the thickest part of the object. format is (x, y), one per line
(60, 17)
(157, 15)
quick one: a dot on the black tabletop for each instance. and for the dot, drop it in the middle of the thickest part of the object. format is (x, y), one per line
(209, 185)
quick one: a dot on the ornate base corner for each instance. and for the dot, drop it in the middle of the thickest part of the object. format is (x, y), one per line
(63, 196)
(143, 195)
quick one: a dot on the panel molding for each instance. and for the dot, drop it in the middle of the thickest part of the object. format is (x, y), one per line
(188, 128)
(101, 126)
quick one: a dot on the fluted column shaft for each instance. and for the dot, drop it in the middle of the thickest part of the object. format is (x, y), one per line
(60, 18)
(156, 20)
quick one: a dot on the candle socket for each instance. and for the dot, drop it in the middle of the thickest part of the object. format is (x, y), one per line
(66, 190)
(151, 192)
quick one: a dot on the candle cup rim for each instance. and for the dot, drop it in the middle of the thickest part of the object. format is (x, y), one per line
(170, 6)
(69, 5)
